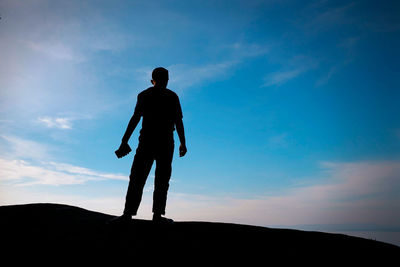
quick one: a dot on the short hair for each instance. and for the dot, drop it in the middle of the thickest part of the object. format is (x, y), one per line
(159, 74)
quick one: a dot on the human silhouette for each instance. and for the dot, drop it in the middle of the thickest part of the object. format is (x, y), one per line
(161, 112)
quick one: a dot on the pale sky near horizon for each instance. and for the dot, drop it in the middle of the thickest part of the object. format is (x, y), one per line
(291, 108)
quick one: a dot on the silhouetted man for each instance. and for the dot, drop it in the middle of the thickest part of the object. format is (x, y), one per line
(161, 112)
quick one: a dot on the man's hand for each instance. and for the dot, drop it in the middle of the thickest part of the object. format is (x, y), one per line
(123, 150)
(182, 150)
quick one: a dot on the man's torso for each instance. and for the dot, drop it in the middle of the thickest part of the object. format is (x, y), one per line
(160, 108)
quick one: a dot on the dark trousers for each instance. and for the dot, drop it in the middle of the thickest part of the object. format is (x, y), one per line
(146, 153)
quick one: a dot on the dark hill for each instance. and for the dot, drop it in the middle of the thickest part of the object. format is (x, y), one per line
(59, 233)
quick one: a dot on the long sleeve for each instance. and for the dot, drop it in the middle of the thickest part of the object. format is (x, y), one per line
(133, 121)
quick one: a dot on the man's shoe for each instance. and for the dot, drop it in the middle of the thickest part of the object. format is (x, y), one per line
(160, 219)
(123, 219)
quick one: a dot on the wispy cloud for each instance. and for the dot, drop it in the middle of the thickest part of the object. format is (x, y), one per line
(72, 169)
(291, 69)
(189, 75)
(327, 76)
(183, 76)
(242, 50)
(348, 48)
(60, 123)
(343, 192)
(25, 173)
(78, 45)
(321, 16)
(27, 163)
(281, 77)
(20, 148)
(56, 50)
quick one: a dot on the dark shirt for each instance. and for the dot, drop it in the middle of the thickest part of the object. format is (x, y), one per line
(160, 109)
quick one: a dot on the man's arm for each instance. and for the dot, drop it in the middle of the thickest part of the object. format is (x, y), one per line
(181, 133)
(131, 127)
(133, 121)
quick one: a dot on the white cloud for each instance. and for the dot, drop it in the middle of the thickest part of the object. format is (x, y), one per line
(280, 77)
(60, 123)
(56, 50)
(245, 50)
(375, 179)
(25, 162)
(184, 76)
(293, 68)
(346, 192)
(25, 149)
(24, 173)
(72, 169)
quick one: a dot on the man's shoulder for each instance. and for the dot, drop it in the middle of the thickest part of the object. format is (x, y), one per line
(144, 92)
(170, 92)
(149, 91)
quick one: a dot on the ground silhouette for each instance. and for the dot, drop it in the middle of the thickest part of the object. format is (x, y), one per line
(55, 233)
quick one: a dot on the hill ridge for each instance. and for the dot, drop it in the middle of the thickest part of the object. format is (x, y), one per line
(59, 228)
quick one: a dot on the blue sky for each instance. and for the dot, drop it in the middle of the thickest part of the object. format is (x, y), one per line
(290, 107)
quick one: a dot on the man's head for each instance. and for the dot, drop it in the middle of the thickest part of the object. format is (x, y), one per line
(160, 77)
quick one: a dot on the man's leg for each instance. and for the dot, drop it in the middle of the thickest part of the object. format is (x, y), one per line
(141, 167)
(162, 177)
